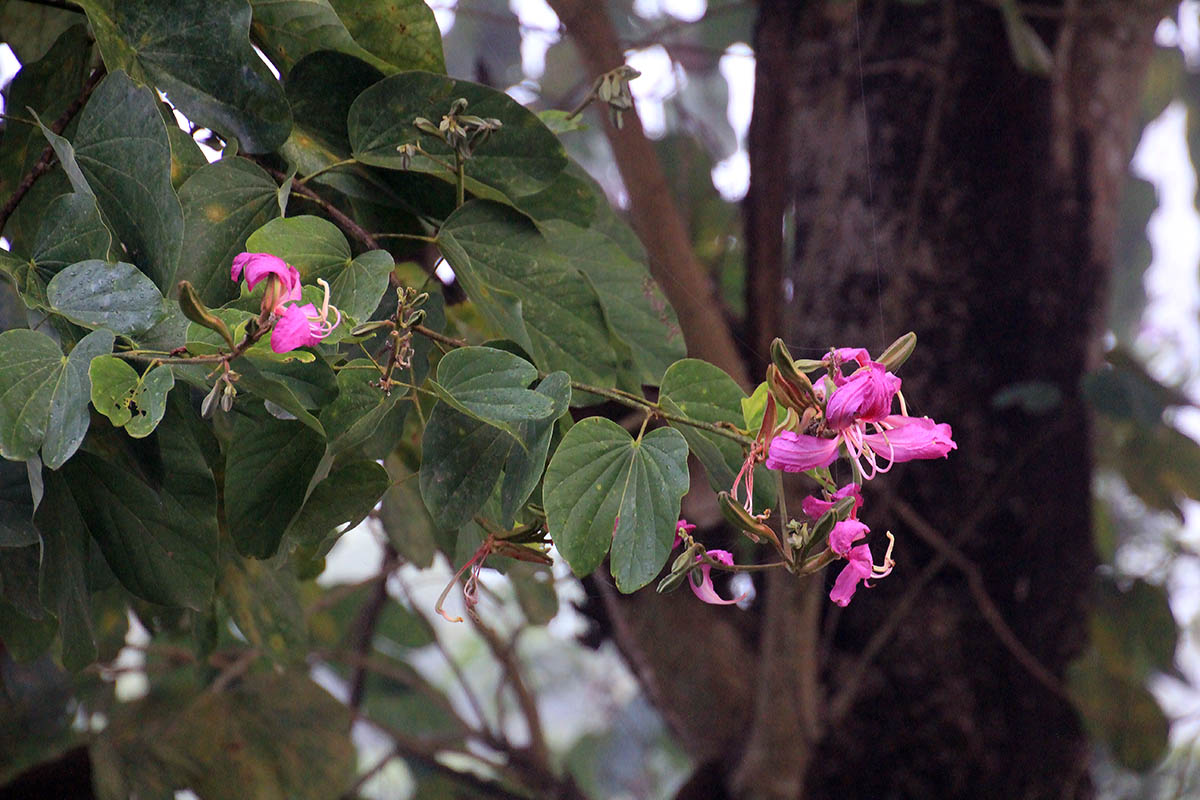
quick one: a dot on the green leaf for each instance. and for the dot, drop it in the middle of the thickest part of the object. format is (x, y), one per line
(223, 203)
(129, 400)
(359, 287)
(122, 149)
(100, 294)
(199, 55)
(263, 599)
(520, 158)
(1029, 52)
(346, 496)
(534, 587)
(403, 33)
(403, 515)
(312, 245)
(64, 567)
(605, 489)
(698, 390)
(490, 385)
(528, 291)
(16, 507)
(31, 367)
(462, 458)
(69, 417)
(634, 306)
(30, 30)
(275, 388)
(359, 409)
(71, 231)
(269, 465)
(186, 156)
(156, 527)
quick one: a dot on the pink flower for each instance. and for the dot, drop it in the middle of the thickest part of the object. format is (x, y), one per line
(795, 452)
(813, 507)
(866, 396)
(845, 534)
(283, 281)
(858, 568)
(705, 590)
(903, 438)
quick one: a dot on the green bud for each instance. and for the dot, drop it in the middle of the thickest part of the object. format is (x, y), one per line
(898, 351)
(194, 309)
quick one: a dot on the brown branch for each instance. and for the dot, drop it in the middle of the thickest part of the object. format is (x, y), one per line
(987, 608)
(363, 633)
(352, 228)
(504, 654)
(46, 159)
(652, 210)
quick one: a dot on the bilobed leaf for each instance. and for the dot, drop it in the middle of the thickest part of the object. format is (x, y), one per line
(359, 287)
(269, 465)
(490, 385)
(199, 55)
(700, 391)
(521, 157)
(604, 489)
(223, 203)
(101, 294)
(462, 458)
(157, 529)
(359, 408)
(403, 33)
(122, 149)
(130, 400)
(345, 496)
(186, 156)
(634, 306)
(31, 365)
(528, 291)
(312, 245)
(69, 417)
(71, 231)
(63, 574)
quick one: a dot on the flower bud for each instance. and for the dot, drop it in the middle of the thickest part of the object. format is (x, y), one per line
(898, 351)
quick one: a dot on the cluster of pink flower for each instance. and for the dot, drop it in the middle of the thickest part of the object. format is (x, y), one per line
(857, 416)
(296, 325)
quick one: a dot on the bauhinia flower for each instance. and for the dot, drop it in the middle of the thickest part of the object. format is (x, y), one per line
(682, 527)
(814, 507)
(705, 589)
(858, 416)
(859, 568)
(296, 325)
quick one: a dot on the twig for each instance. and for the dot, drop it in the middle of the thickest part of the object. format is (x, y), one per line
(44, 160)
(986, 606)
(234, 670)
(363, 632)
(504, 654)
(352, 228)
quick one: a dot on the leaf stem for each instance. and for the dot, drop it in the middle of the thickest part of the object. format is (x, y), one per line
(326, 168)
(414, 236)
(459, 180)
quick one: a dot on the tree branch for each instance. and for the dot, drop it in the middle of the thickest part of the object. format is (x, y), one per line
(652, 209)
(363, 632)
(47, 157)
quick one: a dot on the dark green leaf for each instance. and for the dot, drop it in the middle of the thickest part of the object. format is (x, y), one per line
(520, 158)
(312, 245)
(403, 33)
(30, 29)
(69, 417)
(404, 517)
(199, 54)
(31, 365)
(223, 203)
(270, 463)
(157, 529)
(524, 466)
(534, 586)
(360, 406)
(359, 287)
(64, 585)
(121, 147)
(186, 156)
(697, 390)
(490, 385)
(100, 294)
(71, 231)
(16, 507)
(273, 387)
(605, 489)
(346, 496)
(528, 291)
(263, 598)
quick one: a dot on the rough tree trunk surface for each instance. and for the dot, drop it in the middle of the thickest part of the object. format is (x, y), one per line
(985, 224)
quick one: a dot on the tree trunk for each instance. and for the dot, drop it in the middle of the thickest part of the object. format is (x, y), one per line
(939, 188)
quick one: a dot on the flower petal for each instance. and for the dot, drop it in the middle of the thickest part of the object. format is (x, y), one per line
(845, 534)
(294, 329)
(857, 569)
(908, 438)
(705, 590)
(260, 265)
(865, 396)
(792, 452)
(813, 506)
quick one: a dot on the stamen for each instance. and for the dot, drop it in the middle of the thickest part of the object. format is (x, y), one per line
(888, 563)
